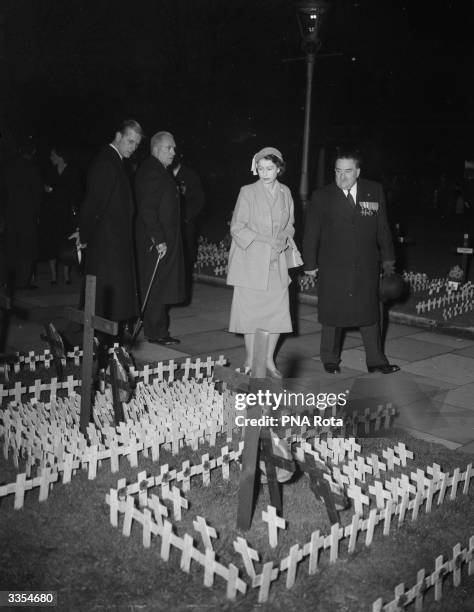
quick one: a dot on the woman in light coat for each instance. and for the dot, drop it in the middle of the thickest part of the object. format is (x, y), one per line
(262, 229)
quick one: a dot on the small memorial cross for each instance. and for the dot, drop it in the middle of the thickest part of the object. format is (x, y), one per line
(249, 555)
(91, 322)
(274, 523)
(206, 532)
(256, 437)
(466, 251)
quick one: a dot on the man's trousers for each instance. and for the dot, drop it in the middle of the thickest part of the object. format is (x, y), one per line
(371, 337)
(156, 321)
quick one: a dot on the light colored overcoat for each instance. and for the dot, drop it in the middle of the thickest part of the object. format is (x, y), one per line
(249, 258)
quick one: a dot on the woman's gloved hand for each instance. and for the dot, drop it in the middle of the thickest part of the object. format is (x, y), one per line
(279, 243)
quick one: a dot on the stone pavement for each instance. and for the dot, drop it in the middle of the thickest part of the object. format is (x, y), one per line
(433, 393)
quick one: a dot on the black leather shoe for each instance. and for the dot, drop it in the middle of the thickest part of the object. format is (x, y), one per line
(165, 341)
(385, 368)
(332, 368)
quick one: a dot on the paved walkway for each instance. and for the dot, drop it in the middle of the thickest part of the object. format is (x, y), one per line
(433, 392)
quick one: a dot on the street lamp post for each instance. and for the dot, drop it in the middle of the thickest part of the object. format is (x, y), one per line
(309, 15)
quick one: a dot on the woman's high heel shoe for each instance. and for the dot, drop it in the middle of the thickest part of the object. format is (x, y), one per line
(274, 373)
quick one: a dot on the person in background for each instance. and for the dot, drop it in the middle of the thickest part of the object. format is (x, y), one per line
(261, 230)
(64, 193)
(347, 236)
(192, 202)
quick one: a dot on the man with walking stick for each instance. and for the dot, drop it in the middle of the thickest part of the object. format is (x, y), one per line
(159, 237)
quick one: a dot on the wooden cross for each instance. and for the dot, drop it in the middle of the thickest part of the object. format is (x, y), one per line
(274, 523)
(403, 453)
(159, 510)
(258, 439)
(206, 532)
(249, 555)
(466, 251)
(381, 495)
(255, 437)
(178, 502)
(359, 499)
(91, 322)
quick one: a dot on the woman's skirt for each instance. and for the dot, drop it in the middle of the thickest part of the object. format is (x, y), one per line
(254, 309)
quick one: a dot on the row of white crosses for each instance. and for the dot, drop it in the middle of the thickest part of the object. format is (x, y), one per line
(380, 418)
(433, 286)
(455, 303)
(450, 313)
(197, 368)
(424, 582)
(220, 270)
(103, 408)
(46, 433)
(211, 254)
(418, 281)
(31, 360)
(355, 470)
(19, 392)
(296, 554)
(51, 438)
(36, 431)
(153, 522)
(122, 502)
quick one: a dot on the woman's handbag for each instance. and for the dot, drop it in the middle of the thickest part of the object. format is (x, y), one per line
(293, 256)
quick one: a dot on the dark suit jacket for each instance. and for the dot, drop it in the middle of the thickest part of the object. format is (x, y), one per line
(193, 196)
(106, 224)
(158, 220)
(347, 246)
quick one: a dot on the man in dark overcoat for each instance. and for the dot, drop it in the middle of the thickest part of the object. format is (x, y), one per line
(347, 237)
(192, 204)
(106, 226)
(159, 234)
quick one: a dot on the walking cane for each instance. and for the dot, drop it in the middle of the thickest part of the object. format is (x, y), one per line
(139, 323)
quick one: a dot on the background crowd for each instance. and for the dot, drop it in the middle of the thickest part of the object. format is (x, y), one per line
(41, 192)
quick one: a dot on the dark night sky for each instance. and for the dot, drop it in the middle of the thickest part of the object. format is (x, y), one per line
(215, 73)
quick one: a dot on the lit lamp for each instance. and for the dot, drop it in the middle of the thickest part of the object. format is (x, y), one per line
(309, 15)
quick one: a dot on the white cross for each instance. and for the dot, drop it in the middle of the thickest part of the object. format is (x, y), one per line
(274, 523)
(206, 532)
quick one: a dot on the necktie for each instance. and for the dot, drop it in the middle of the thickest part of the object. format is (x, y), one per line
(350, 198)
